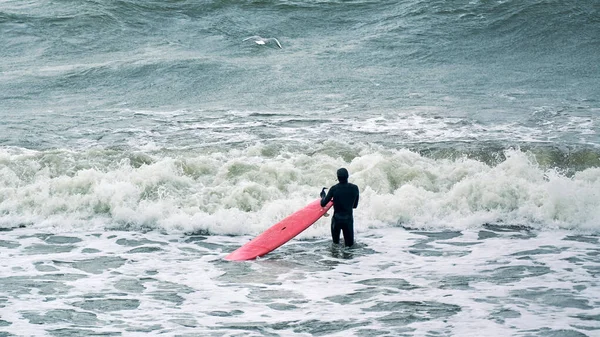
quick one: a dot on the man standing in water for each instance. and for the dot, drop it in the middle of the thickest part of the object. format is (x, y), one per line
(345, 198)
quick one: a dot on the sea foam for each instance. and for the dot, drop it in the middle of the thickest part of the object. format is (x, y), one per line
(245, 191)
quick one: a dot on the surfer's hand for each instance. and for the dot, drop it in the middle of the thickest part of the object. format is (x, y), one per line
(323, 193)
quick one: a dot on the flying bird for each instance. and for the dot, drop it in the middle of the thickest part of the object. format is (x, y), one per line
(264, 41)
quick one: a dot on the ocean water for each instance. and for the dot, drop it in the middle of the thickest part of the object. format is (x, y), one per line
(143, 141)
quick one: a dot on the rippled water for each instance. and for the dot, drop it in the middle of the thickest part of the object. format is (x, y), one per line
(500, 281)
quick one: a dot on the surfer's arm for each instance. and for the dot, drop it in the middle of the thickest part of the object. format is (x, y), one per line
(327, 198)
(356, 200)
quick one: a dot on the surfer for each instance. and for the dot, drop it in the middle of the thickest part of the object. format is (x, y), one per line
(345, 198)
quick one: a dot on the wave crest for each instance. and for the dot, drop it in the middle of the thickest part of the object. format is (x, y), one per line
(244, 191)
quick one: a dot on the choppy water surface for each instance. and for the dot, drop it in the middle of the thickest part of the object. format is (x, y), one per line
(503, 281)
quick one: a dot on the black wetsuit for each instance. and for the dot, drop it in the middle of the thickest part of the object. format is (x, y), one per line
(345, 198)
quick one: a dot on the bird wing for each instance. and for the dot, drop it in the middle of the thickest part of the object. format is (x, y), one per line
(252, 37)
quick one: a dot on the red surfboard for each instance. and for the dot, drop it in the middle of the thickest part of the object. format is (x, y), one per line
(280, 233)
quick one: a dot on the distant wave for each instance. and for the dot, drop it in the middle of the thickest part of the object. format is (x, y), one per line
(161, 53)
(447, 31)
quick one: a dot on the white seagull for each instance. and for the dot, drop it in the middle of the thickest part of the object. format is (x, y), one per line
(262, 41)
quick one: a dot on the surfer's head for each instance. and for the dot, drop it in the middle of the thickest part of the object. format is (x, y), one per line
(342, 175)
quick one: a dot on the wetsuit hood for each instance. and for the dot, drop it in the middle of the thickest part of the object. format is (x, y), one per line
(342, 175)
